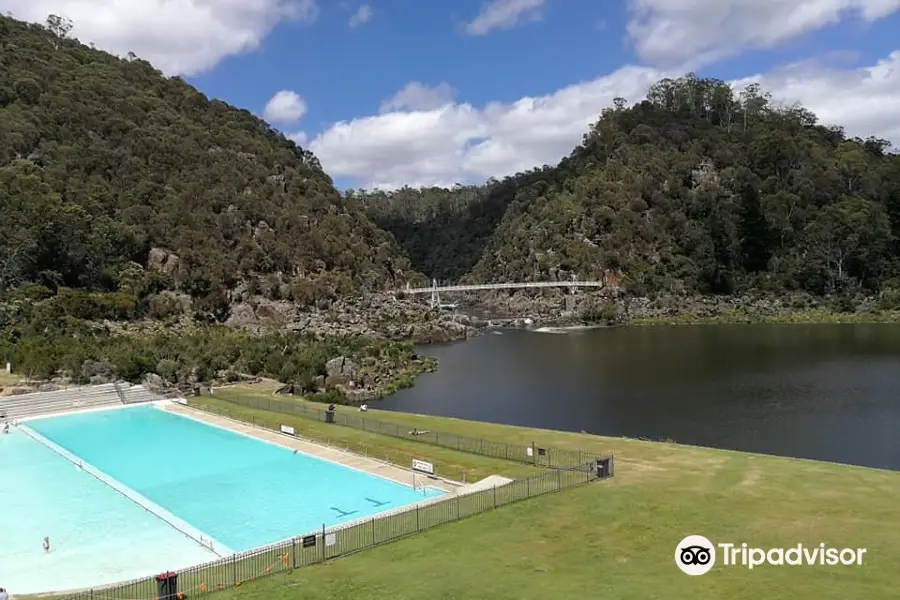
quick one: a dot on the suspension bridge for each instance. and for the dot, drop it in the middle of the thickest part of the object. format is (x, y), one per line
(435, 290)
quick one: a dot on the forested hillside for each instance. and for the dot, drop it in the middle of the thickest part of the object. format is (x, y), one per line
(116, 179)
(696, 189)
(444, 232)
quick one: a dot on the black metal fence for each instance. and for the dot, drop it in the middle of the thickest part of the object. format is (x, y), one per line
(319, 546)
(532, 454)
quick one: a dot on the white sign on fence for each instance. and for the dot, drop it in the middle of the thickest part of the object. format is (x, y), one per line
(529, 451)
(330, 539)
(422, 466)
(287, 429)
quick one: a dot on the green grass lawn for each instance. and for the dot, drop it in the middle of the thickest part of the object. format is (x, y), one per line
(617, 538)
(448, 463)
(8, 379)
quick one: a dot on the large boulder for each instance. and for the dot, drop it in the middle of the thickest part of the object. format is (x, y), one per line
(97, 371)
(162, 260)
(153, 382)
(340, 367)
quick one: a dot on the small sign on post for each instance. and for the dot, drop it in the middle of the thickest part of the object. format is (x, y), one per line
(309, 541)
(287, 429)
(423, 467)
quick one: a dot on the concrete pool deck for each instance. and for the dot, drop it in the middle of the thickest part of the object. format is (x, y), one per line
(345, 458)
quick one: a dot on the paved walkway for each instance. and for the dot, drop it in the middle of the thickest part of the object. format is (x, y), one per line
(317, 449)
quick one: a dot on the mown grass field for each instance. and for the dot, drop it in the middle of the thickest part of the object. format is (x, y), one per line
(611, 539)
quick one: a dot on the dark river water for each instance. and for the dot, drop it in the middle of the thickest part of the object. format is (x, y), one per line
(827, 392)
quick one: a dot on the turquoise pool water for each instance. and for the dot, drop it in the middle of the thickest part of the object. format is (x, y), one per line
(241, 491)
(97, 536)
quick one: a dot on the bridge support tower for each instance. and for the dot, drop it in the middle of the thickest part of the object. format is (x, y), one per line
(435, 296)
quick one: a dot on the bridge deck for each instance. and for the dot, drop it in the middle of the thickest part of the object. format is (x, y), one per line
(505, 286)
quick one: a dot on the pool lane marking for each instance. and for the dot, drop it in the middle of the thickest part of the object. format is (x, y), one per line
(156, 510)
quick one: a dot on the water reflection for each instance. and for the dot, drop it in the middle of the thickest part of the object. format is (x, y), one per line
(825, 392)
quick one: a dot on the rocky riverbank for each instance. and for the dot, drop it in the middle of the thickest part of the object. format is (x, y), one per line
(549, 308)
(378, 316)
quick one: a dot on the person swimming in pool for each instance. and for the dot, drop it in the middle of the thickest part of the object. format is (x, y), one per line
(46, 543)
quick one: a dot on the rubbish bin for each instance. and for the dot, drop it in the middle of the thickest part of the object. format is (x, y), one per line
(329, 416)
(167, 585)
(604, 467)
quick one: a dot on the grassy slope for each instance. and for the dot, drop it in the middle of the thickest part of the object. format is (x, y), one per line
(617, 539)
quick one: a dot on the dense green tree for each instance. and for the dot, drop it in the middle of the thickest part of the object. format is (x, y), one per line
(103, 159)
(697, 188)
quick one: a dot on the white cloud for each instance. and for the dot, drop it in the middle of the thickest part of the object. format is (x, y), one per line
(505, 14)
(461, 143)
(418, 96)
(362, 15)
(180, 37)
(458, 142)
(298, 137)
(285, 106)
(698, 32)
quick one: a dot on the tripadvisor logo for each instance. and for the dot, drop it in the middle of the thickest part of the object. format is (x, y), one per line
(696, 555)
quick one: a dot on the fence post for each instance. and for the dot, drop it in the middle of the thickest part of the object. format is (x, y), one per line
(457, 508)
(234, 568)
(533, 455)
(417, 518)
(323, 542)
(373, 531)
(495, 496)
(294, 552)
(558, 480)
(528, 484)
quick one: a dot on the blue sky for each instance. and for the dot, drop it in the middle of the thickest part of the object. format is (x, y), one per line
(344, 73)
(485, 88)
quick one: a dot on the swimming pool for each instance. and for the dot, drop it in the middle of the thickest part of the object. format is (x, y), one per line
(97, 536)
(240, 491)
